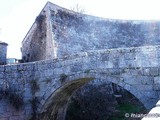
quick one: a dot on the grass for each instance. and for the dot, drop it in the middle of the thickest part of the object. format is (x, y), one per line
(125, 108)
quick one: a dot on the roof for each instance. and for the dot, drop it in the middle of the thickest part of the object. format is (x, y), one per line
(3, 43)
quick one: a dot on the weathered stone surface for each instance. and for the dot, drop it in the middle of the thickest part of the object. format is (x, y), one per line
(140, 81)
(82, 52)
(154, 71)
(3, 53)
(146, 71)
(66, 32)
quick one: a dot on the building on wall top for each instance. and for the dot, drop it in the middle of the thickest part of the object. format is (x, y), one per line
(59, 32)
(3, 53)
(12, 61)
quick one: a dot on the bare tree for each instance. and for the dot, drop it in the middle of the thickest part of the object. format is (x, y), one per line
(78, 9)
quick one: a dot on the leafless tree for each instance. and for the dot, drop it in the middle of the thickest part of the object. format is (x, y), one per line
(78, 9)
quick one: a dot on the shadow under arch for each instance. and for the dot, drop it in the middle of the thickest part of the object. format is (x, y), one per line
(55, 107)
(56, 104)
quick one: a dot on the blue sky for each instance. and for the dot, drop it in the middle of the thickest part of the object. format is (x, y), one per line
(17, 16)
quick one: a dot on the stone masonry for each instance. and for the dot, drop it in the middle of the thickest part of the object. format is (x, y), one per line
(66, 32)
(65, 50)
(3, 53)
(135, 69)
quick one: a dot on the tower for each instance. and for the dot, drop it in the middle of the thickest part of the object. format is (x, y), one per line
(3, 53)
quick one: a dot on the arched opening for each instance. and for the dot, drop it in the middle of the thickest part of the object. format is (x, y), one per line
(89, 100)
(55, 107)
(102, 101)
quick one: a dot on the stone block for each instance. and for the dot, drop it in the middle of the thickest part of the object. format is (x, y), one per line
(114, 71)
(1, 68)
(144, 87)
(139, 63)
(151, 94)
(132, 80)
(156, 87)
(1, 75)
(76, 68)
(14, 67)
(154, 71)
(28, 67)
(122, 63)
(109, 64)
(157, 80)
(153, 62)
(130, 56)
(105, 57)
(149, 104)
(8, 69)
(146, 71)
(115, 63)
(128, 87)
(135, 71)
(20, 67)
(16, 74)
(146, 80)
(8, 76)
(57, 71)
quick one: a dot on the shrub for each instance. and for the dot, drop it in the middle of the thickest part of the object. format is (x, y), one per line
(34, 86)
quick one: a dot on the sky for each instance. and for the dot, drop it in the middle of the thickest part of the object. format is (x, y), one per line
(17, 16)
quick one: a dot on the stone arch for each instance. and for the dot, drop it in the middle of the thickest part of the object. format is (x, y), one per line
(58, 99)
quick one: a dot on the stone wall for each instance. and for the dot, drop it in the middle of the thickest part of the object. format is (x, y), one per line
(135, 69)
(37, 44)
(76, 33)
(67, 32)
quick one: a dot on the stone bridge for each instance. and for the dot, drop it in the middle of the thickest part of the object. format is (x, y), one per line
(64, 50)
(52, 82)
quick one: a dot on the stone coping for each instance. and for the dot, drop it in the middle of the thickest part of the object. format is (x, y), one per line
(3, 43)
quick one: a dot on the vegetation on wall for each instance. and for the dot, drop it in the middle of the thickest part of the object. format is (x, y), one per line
(34, 104)
(63, 78)
(34, 86)
(34, 101)
(14, 97)
(37, 42)
(78, 9)
(48, 81)
(40, 19)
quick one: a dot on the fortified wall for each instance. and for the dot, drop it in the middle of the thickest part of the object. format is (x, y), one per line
(81, 48)
(59, 32)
